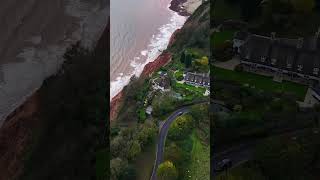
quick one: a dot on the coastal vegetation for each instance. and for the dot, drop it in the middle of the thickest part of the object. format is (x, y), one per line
(187, 145)
(126, 145)
(148, 100)
(73, 128)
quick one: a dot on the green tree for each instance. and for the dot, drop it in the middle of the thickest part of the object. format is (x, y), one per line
(117, 165)
(174, 153)
(188, 60)
(142, 115)
(129, 173)
(163, 104)
(167, 171)
(181, 127)
(147, 133)
(199, 113)
(134, 150)
(182, 57)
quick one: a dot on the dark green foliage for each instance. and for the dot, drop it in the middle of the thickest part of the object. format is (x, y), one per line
(142, 115)
(163, 104)
(128, 173)
(134, 95)
(73, 115)
(281, 154)
(181, 127)
(182, 57)
(188, 61)
(130, 142)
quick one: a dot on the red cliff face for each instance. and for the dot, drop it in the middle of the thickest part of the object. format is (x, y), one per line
(15, 136)
(115, 105)
(162, 60)
(151, 67)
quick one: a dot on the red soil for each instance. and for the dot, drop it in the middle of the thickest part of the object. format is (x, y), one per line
(153, 66)
(15, 136)
(115, 105)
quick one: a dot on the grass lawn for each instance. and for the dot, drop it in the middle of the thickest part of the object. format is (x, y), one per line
(261, 82)
(218, 38)
(144, 162)
(222, 10)
(199, 90)
(200, 160)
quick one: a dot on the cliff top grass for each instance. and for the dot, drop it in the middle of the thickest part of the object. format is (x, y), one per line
(200, 160)
(261, 82)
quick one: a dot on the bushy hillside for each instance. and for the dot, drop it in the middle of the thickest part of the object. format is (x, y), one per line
(196, 31)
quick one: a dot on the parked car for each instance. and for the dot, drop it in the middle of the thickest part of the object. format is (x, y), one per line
(223, 165)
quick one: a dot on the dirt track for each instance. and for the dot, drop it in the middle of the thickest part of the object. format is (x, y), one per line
(33, 37)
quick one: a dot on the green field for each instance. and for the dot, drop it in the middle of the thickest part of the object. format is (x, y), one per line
(261, 82)
(199, 90)
(200, 160)
(218, 38)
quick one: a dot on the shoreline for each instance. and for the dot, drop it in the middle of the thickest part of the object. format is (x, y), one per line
(163, 59)
(155, 44)
(116, 101)
(18, 127)
(151, 67)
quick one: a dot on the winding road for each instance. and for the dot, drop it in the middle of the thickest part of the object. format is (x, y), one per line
(163, 134)
(162, 138)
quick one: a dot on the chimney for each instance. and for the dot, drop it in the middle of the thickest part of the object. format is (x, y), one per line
(300, 43)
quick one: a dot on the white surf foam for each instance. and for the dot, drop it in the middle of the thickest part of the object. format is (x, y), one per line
(158, 43)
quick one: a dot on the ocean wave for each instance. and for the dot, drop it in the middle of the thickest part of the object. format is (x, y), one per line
(158, 43)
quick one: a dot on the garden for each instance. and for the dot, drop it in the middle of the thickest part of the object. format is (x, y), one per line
(260, 82)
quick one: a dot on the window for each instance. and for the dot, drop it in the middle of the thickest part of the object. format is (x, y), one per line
(289, 65)
(273, 61)
(316, 71)
(263, 58)
(300, 67)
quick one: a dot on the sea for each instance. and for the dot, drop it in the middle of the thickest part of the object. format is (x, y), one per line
(139, 31)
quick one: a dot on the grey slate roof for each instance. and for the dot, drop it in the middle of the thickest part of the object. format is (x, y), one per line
(201, 79)
(297, 55)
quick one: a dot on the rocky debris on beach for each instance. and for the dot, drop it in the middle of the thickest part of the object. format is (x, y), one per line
(177, 6)
(185, 7)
